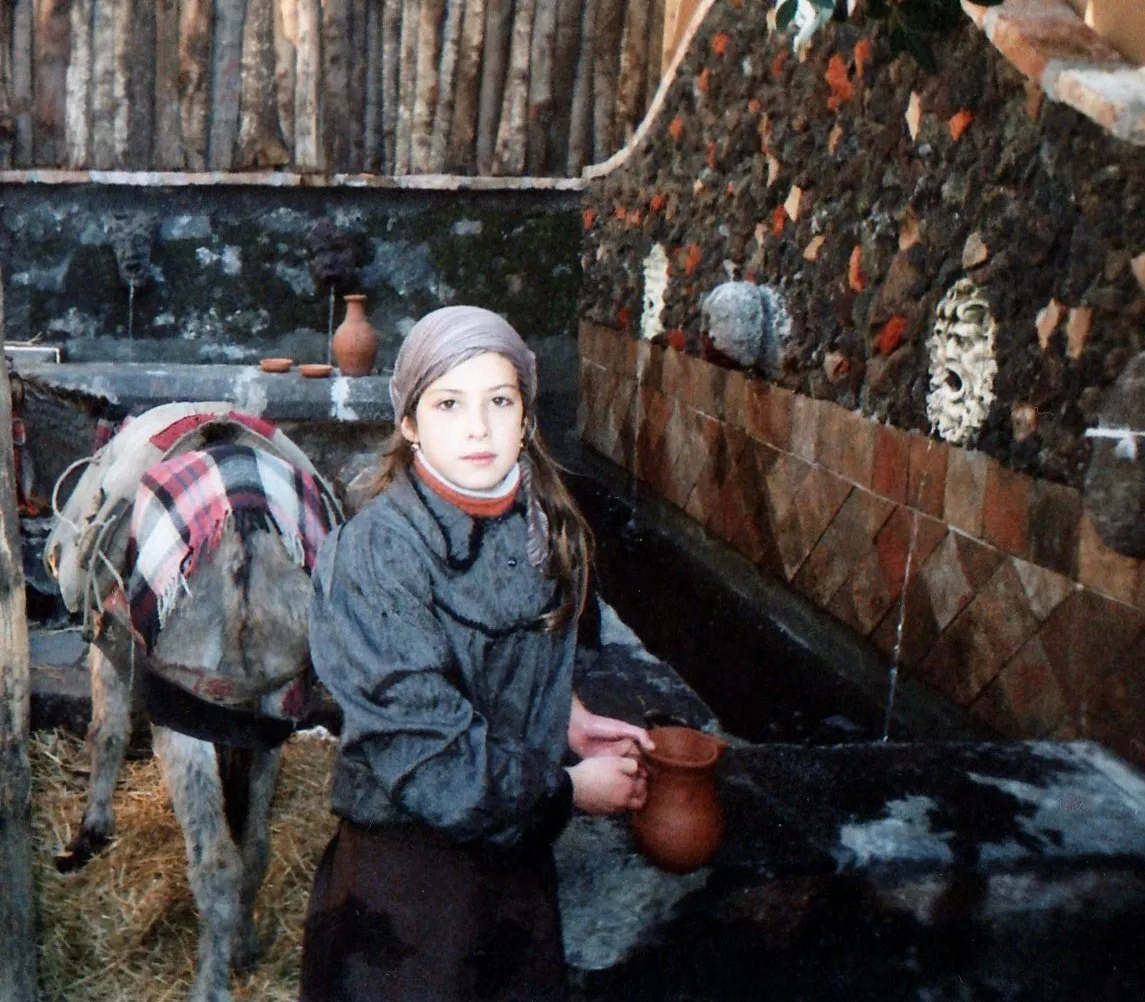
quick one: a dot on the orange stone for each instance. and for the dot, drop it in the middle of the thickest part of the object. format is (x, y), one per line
(959, 123)
(720, 43)
(839, 81)
(855, 277)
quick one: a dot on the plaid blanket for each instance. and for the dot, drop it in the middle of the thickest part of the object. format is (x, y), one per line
(184, 503)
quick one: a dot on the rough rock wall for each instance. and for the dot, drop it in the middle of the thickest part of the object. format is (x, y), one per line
(863, 189)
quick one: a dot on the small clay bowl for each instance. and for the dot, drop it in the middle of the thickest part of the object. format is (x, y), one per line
(276, 364)
(315, 370)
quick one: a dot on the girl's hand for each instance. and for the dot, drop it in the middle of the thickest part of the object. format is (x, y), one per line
(591, 735)
(608, 784)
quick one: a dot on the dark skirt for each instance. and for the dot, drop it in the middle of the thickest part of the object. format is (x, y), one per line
(403, 913)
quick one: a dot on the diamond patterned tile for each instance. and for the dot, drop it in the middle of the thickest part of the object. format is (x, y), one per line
(1045, 590)
(965, 490)
(814, 505)
(1086, 638)
(804, 426)
(830, 436)
(926, 478)
(735, 398)
(755, 536)
(848, 540)
(672, 372)
(1055, 524)
(982, 638)
(858, 457)
(1006, 510)
(768, 413)
(891, 464)
(1026, 700)
(687, 445)
(1103, 569)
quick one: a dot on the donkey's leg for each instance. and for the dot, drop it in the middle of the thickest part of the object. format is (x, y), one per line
(107, 738)
(255, 848)
(191, 773)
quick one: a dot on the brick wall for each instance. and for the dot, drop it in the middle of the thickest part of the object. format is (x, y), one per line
(1014, 609)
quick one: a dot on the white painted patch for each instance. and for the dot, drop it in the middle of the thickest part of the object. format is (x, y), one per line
(962, 364)
(249, 392)
(340, 400)
(232, 260)
(904, 833)
(655, 288)
(467, 228)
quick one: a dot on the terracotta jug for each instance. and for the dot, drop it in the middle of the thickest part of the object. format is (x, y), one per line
(681, 825)
(355, 343)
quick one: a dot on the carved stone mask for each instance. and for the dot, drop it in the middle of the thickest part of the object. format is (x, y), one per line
(962, 364)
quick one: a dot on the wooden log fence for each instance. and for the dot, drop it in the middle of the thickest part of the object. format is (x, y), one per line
(506, 87)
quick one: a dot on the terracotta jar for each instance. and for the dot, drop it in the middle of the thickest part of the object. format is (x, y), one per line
(355, 343)
(682, 824)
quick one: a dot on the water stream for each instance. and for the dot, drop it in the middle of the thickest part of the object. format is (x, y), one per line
(130, 321)
(637, 416)
(896, 653)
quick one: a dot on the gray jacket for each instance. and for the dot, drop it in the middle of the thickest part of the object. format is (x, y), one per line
(456, 705)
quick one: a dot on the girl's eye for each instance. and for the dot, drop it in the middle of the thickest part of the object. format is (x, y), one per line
(447, 404)
(504, 401)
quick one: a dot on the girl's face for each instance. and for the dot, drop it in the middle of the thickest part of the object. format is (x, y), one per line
(470, 422)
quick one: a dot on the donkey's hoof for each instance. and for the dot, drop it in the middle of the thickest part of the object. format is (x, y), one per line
(79, 851)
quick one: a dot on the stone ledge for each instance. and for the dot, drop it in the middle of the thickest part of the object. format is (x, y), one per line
(284, 179)
(1050, 44)
(285, 397)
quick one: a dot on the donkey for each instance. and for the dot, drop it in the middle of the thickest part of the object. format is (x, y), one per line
(186, 544)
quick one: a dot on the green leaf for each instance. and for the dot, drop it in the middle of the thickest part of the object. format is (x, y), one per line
(786, 14)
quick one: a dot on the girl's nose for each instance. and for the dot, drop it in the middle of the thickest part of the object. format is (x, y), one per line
(478, 422)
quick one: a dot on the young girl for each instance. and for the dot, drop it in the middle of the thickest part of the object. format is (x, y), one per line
(444, 623)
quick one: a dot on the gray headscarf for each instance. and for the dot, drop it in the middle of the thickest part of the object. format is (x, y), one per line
(454, 334)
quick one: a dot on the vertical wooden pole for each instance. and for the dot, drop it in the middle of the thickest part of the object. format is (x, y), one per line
(22, 79)
(49, 69)
(633, 67)
(463, 129)
(653, 70)
(226, 82)
(167, 151)
(338, 122)
(425, 86)
(509, 152)
(307, 87)
(260, 142)
(196, 34)
(103, 107)
(580, 125)
(372, 134)
(17, 918)
(137, 46)
(391, 77)
(285, 55)
(494, 61)
(565, 49)
(606, 66)
(540, 110)
(446, 85)
(407, 84)
(77, 117)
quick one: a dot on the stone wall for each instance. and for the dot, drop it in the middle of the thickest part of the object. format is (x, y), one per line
(231, 272)
(861, 191)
